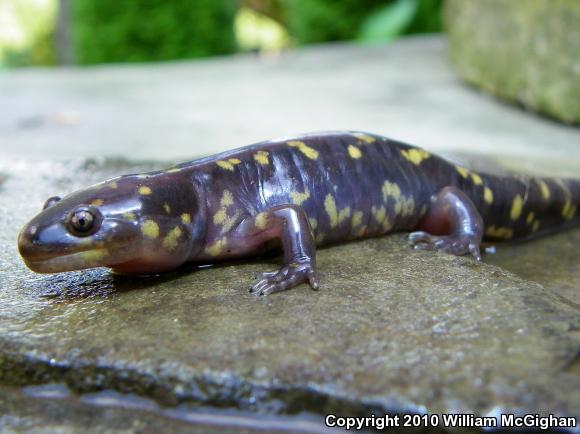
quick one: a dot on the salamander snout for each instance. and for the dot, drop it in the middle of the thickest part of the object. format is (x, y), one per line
(27, 240)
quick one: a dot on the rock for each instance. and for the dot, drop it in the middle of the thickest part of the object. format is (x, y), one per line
(390, 330)
(405, 90)
(51, 409)
(524, 51)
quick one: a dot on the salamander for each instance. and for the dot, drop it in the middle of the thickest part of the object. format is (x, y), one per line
(291, 195)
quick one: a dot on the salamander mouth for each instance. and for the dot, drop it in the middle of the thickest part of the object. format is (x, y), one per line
(69, 262)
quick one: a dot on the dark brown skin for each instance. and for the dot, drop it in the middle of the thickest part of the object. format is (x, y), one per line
(292, 195)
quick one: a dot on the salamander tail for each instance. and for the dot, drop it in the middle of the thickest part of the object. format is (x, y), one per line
(515, 207)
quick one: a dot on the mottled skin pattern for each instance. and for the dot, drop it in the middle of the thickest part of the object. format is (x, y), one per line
(292, 195)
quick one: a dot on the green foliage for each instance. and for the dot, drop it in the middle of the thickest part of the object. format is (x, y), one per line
(27, 32)
(148, 30)
(389, 21)
(327, 20)
(368, 20)
(40, 52)
(402, 17)
(428, 18)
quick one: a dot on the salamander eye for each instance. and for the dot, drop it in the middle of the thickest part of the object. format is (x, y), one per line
(50, 202)
(84, 221)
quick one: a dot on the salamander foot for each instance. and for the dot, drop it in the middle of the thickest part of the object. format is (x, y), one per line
(454, 244)
(287, 277)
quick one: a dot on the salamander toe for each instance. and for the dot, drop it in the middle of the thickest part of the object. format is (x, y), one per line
(457, 244)
(287, 277)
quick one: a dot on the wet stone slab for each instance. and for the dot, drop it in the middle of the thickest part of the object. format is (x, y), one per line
(52, 409)
(391, 329)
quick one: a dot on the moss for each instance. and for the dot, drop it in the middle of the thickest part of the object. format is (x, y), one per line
(525, 52)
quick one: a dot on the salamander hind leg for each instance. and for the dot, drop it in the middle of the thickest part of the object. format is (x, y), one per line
(452, 224)
(288, 225)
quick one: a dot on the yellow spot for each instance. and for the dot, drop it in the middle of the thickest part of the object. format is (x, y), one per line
(313, 223)
(536, 226)
(262, 158)
(167, 208)
(217, 247)
(319, 238)
(299, 198)
(415, 155)
(170, 240)
(380, 214)
(225, 165)
(335, 217)
(462, 171)
(113, 185)
(476, 179)
(130, 216)
(92, 256)
(569, 210)
(544, 189)
(365, 138)
(356, 218)
(354, 152)
(229, 164)
(504, 233)
(220, 216)
(423, 210)
(185, 218)
(408, 205)
(227, 198)
(261, 220)
(330, 207)
(144, 190)
(391, 189)
(150, 229)
(304, 148)
(517, 206)
(398, 207)
(174, 170)
(343, 214)
(566, 208)
(488, 195)
(530, 218)
(230, 222)
(97, 202)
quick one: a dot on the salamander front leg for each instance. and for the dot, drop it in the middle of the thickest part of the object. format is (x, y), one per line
(288, 225)
(452, 224)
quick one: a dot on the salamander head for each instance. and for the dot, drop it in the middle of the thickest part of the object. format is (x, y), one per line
(125, 224)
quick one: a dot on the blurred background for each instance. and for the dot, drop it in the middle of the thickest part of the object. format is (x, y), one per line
(64, 32)
(85, 78)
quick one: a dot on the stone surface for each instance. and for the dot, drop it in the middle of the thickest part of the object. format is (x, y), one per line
(181, 110)
(51, 409)
(524, 51)
(392, 329)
